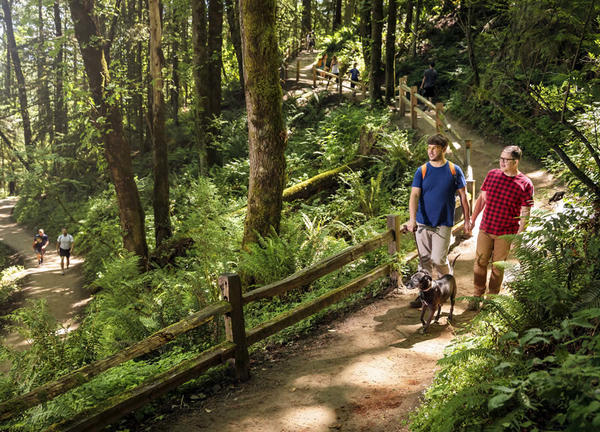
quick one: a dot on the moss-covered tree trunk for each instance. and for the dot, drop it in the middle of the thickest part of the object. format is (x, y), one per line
(390, 50)
(110, 123)
(160, 164)
(266, 132)
(376, 35)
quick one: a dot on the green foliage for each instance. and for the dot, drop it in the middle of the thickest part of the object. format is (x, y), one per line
(537, 349)
(9, 281)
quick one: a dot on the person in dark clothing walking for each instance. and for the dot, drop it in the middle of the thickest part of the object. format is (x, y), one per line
(428, 83)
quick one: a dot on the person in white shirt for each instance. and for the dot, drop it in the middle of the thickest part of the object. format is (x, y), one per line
(64, 246)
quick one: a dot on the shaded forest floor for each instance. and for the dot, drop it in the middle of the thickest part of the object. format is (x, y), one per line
(363, 372)
(65, 295)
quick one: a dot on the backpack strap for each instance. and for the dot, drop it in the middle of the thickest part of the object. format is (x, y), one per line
(450, 165)
(452, 169)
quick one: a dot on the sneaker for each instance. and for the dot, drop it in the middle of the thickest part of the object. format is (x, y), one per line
(473, 305)
(416, 303)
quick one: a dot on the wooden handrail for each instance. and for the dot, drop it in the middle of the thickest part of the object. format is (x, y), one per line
(96, 418)
(297, 314)
(84, 374)
(314, 272)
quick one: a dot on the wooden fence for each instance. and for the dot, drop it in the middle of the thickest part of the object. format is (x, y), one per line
(233, 350)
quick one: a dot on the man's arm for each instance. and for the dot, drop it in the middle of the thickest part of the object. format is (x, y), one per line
(464, 203)
(478, 207)
(413, 205)
(423, 81)
(523, 219)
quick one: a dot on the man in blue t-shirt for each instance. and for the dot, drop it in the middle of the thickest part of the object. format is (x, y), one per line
(431, 207)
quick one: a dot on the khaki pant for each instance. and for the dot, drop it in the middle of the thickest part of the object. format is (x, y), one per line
(433, 243)
(496, 248)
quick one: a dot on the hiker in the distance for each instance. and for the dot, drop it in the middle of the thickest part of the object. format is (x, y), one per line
(428, 83)
(335, 69)
(431, 208)
(40, 241)
(311, 41)
(64, 247)
(354, 74)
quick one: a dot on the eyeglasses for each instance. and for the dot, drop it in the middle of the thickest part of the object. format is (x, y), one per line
(506, 160)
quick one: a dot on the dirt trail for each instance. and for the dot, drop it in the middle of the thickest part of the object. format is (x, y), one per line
(64, 294)
(365, 372)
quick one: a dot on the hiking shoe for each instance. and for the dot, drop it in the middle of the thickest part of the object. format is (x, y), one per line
(473, 305)
(416, 303)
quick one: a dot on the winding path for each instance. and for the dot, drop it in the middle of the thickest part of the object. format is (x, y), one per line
(364, 372)
(64, 295)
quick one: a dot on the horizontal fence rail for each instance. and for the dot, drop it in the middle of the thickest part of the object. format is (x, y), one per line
(322, 268)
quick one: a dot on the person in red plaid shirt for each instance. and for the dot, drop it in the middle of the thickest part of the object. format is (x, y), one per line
(506, 198)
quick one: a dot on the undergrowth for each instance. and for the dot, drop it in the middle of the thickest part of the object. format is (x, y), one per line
(529, 361)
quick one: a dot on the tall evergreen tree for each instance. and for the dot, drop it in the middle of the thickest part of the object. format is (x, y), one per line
(376, 35)
(390, 50)
(160, 164)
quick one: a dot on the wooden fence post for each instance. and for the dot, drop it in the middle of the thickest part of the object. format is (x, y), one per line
(314, 69)
(402, 94)
(469, 173)
(393, 223)
(340, 79)
(297, 70)
(413, 105)
(235, 328)
(439, 110)
(285, 71)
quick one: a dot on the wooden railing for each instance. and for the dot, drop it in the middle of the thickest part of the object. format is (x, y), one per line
(438, 120)
(238, 339)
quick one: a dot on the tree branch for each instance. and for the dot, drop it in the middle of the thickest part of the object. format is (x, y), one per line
(575, 56)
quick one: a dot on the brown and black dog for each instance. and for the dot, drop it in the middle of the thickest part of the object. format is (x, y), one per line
(433, 293)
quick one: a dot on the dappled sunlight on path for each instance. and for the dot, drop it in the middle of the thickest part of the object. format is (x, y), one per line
(64, 294)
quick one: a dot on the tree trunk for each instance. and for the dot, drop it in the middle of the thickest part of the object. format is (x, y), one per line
(306, 17)
(110, 123)
(365, 31)
(416, 29)
(8, 73)
(376, 32)
(44, 113)
(337, 15)
(409, 17)
(215, 63)
(349, 11)
(60, 111)
(390, 50)
(471, 45)
(14, 55)
(233, 19)
(176, 83)
(160, 165)
(266, 131)
(199, 38)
